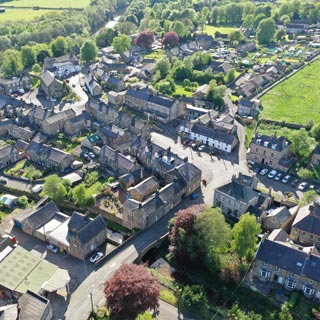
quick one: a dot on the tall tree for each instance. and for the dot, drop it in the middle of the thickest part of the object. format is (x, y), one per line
(285, 313)
(244, 235)
(79, 195)
(88, 51)
(163, 66)
(121, 43)
(131, 291)
(266, 31)
(27, 56)
(170, 38)
(59, 46)
(145, 39)
(302, 144)
(11, 62)
(105, 37)
(54, 188)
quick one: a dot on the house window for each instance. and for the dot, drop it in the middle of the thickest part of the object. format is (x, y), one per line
(276, 269)
(319, 239)
(308, 290)
(265, 273)
(311, 236)
(292, 275)
(291, 283)
(256, 149)
(265, 264)
(303, 235)
(264, 152)
(272, 155)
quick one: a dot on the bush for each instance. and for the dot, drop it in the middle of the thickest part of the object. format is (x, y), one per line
(293, 299)
(168, 296)
(91, 178)
(111, 179)
(22, 202)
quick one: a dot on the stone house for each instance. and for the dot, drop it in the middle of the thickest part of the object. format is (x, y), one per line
(55, 124)
(8, 86)
(271, 151)
(116, 98)
(78, 124)
(92, 85)
(281, 262)
(278, 218)
(247, 108)
(18, 132)
(101, 111)
(116, 161)
(36, 115)
(194, 113)
(9, 154)
(142, 190)
(315, 160)
(115, 137)
(85, 235)
(52, 88)
(239, 196)
(5, 124)
(305, 228)
(49, 157)
(211, 137)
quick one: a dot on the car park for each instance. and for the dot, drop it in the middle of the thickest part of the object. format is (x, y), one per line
(272, 174)
(285, 179)
(52, 248)
(302, 186)
(96, 257)
(264, 171)
(278, 177)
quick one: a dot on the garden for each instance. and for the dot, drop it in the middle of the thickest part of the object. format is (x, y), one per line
(26, 170)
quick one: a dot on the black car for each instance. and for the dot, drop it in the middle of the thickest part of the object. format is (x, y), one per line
(2, 181)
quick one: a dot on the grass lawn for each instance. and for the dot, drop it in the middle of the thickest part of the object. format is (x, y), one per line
(50, 3)
(296, 99)
(211, 30)
(181, 91)
(94, 189)
(16, 168)
(168, 296)
(22, 14)
(157, 54)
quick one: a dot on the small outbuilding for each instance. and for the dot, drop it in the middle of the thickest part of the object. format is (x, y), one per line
(9, 201)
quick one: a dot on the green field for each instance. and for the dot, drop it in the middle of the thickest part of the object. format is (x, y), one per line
(211, 30)
(49, 3)
(296, 99)
(22, 14)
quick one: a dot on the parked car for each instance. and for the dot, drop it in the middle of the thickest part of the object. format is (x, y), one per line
(278, 177)
(302, 186)
(286, 179)
(85, 155)
(91, 155)
(256, 170)
(264, 171)
(202, 147)
(272, 174)
(96, 257)
(37, 188)
(294, 182)
(311, 187)
(318, 190)
(194, 196)
(52, 248)
(2, 181)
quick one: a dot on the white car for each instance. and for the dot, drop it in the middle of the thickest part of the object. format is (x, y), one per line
(286, 179)
(278, 177)
(263, 172)
(91, 155)
(97, 256)
(52, 248)
(302, 186)
(272, 174)
(202, 147)
(37, 188)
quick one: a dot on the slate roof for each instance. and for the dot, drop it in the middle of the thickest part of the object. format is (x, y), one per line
(47, 78)
(238, 191)
(91, 229)
(289, 258)
(77, 221)
(138, 94)
(188, 171)
(60, 116)
(162, 101)
(275, 143)
(281, 213)
(146, 185)
(213, 134)
(308, 219)
(246, 103)
(6, 150)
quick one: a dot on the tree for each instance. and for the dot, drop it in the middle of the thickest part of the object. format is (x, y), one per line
(230, 75)
(36, 68)
(145, 39)
(22, 202)
(235, 313)
(88, 51)
(180, 29)
(302, 144)
(131, 291)
(285, 313)
(59, 46)
(309, 196)
(279, 34)
(195, 298)
(170, 39)
(32, 173)
(266, 31)
(11, 63)
(215, 93)
(244, 235)
(5, 43)
(79, 195)
(121, 43)
(105, 37)
(315, 131)
(163, 66)
(28, 57)
(54, 188)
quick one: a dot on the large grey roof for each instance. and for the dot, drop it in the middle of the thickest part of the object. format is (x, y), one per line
(238, 191)
(270, 142)
(146, 185)
(308, 219)
(289, 258)
(143, 95)
(214, 134)
(32, 306)
(93, 228)
(162, 101)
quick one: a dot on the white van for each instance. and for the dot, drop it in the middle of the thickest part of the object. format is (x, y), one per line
(37, 188)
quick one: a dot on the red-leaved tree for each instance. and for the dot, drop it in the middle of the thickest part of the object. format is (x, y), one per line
(182, 234)
(170, 38)
(131, 290)
(145, 39)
